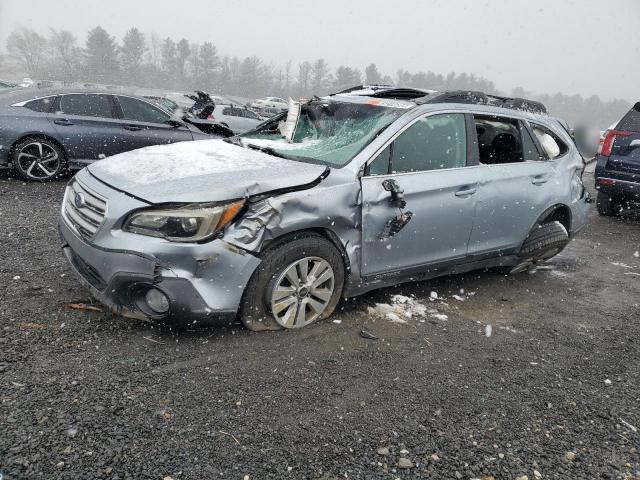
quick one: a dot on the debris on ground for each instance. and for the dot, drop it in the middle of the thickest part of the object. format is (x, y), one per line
(403, 308)
(368, 334)
(83, 306)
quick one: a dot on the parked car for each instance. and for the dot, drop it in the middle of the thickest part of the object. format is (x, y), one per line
(372, 190)
(617, 172)
(271, 102)
(44, 132)
(4, 85)
(164, 102)
(239, 119)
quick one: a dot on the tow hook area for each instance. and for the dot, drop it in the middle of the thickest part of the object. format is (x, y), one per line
(402, 218)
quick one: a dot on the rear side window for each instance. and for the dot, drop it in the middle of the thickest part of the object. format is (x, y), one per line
(40, 104)
(631, 121)
(551, 145)
(230, 111)
(432, 143)
(499, 140)
(86, 105)
(139, 111)
(248, 114)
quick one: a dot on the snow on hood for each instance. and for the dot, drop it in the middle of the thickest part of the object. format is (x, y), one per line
(200, 171)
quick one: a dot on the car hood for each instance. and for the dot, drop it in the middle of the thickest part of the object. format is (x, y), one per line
(201, 171)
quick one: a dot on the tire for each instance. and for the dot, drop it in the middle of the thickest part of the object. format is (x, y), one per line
(270, 281)
(606, 206)
(38, 160)
(544, 242)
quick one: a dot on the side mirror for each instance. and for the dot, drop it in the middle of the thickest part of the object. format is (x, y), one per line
(397, 193)
(175, 123)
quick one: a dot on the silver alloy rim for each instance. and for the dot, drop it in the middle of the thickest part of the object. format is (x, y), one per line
(38, 160)
(302, 292)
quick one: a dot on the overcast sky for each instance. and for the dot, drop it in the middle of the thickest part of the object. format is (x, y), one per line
(572, 46)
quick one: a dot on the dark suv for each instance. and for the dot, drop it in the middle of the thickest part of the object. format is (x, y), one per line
(618, 165)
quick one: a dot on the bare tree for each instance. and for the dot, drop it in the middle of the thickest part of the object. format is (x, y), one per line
(28, 48)
(64, 55)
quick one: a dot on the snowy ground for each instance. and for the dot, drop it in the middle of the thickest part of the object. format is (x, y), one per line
(470, 376)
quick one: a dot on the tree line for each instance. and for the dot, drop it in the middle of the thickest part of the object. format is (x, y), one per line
(148, 61)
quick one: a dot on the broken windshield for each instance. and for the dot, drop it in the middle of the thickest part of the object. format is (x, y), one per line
(327, 132)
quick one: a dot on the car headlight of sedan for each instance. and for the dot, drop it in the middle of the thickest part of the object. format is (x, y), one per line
(193, 222)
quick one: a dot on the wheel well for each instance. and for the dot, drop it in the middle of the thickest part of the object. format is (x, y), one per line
(41, 136)
(323, 232)
(559, 213)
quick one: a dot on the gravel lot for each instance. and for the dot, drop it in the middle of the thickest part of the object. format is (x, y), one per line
(535, 374)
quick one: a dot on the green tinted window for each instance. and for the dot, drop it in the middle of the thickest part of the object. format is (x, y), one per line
(432, 143)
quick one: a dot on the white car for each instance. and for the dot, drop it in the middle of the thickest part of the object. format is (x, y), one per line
(271, 102)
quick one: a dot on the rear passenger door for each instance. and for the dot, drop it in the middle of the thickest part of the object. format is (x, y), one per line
(87, 126)
(516, 182)
(144, 124)
(428, 160)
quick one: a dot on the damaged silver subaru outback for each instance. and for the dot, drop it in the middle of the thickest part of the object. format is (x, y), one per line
(362, 189)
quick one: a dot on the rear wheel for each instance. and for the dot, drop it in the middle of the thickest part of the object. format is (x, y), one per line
(38, 160)
(606, 205)
(544, 242)
(298, 282)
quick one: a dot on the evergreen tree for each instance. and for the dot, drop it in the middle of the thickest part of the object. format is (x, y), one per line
(372, 75)
(210, 64)
(183, 50)
(346, 77)
(319, 77)
(132, 54)
(101, 55)
(168, 54)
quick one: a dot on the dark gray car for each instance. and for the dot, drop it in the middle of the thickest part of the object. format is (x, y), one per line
(368, 189)
(44, 132)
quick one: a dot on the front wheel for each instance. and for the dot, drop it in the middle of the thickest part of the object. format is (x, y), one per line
(38, 160)
(298, 282)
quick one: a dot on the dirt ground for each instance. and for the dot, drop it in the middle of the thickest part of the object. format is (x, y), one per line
(535, 374)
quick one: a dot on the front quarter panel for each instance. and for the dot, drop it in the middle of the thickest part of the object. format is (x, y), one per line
(332, 206)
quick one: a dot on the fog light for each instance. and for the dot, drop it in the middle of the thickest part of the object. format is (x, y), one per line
(157, 301)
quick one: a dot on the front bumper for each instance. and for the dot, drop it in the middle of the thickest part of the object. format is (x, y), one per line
(119, 279)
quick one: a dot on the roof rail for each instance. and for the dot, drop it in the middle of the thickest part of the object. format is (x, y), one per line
(481, 98)
(363, 87)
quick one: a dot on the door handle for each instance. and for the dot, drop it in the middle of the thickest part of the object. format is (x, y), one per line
(539, 179)
(63, 121)
(133, 128)
(465, 192)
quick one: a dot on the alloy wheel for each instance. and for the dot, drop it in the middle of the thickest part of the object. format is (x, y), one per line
(302, 292)
(38, 161)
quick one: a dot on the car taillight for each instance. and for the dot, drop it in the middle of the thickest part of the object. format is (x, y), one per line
(211, 117)
(609, 138)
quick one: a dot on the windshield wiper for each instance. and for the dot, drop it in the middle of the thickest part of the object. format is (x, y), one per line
(268, 150)
(235, 140)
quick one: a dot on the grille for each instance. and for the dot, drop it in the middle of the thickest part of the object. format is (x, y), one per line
(83, 209)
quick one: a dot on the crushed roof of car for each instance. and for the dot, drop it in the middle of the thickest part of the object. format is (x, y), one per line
(421, 96)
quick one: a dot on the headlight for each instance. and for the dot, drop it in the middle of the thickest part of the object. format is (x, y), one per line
(189, 223)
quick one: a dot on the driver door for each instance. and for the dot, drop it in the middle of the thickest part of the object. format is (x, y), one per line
(428, 161)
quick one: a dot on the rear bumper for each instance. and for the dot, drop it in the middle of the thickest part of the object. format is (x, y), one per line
(119, 280)
(618, 188)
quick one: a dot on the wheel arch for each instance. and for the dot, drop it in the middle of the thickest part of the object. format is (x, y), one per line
(327, 233)
(558, 212)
